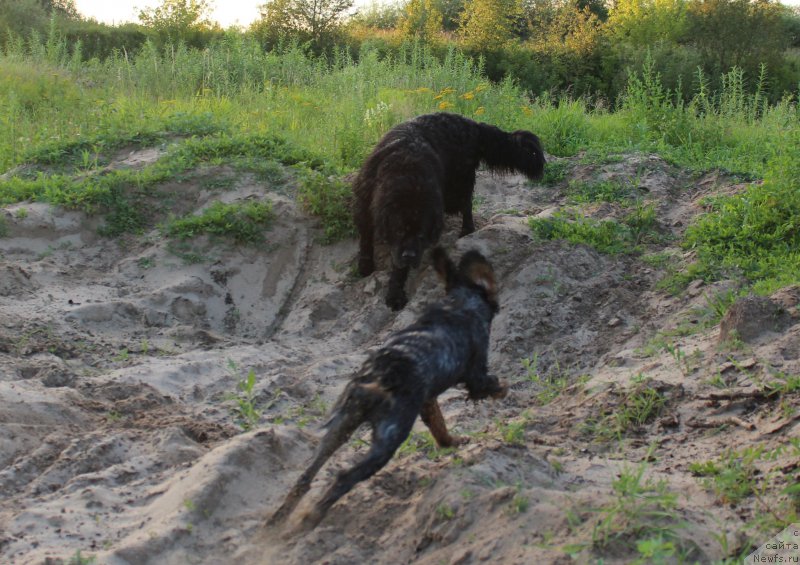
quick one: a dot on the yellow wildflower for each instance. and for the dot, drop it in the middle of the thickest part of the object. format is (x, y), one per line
(480, 111)
(468, 95)
(444, 105)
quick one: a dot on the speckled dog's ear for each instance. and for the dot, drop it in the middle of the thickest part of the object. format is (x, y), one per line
(445, 268)
(478, 270)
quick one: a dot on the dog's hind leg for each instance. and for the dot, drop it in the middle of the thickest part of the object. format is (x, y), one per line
(396, 296)
(431, 415)
(341, 428)
(388, 434)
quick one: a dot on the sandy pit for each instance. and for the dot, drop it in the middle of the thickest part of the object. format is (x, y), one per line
(119, 439)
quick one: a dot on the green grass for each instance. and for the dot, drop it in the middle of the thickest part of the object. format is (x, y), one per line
(423, 442)
(243, 222)
(607, 236)
(639, 405)
(641, 515)
(329, 198)
(736, 476)
(63, 120)
(549, 385)
(123, 195)
(755, 234)
(602, 191)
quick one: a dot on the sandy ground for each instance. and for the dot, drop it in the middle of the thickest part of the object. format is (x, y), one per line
(119, 440)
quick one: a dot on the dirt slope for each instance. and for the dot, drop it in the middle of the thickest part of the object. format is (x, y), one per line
(118, 437)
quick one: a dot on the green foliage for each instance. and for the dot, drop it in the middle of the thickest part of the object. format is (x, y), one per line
(244, 399)
(79, 559)
(488, 24)
(607, 236)
(178, 20)
(601, 191)
(645, 22)
(555, 172)
(424, 443)
(243, 222)
(641, 510)
(639, 405)
(330, 198)
(421, 19)
(734, 476)
(549, 385)
(445, 512)
(317, 21)
(755, 233)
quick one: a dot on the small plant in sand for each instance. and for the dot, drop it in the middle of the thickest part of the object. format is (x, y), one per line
(513, 431)
(639, 405)
(244, 407)
(550, 384)
(642, 509)
(738, 474)
(80, 559)
(123, 355)
(445, 512)
(423, 442)
(520, 502)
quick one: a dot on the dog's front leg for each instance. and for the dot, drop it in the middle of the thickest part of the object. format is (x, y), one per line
(432, 417)
(366, 260)
(467, 221)
(396, 297)
(481, 384)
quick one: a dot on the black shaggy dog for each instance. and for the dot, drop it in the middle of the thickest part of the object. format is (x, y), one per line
(420, 170)
(448, 345)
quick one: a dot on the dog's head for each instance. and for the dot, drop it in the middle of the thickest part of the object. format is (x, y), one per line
(473, 271)
(409, 227)
(530, 158)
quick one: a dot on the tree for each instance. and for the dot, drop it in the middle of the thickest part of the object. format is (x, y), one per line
(178, 20)
(315, 20)
(738, 33)
(489, 24)
(65, 8)
(644, 22)
(421, 19)
(24, 16)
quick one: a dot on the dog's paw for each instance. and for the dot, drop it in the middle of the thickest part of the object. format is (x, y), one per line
(495, 389)
(457, 441)
(502, 390)
(396, 300)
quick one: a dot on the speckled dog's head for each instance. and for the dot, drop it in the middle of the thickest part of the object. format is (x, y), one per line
(473, 270)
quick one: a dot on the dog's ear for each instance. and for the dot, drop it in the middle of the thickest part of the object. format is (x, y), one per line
(477, 269)
(445, 268)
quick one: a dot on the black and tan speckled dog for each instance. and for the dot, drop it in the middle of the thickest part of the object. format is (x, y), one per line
(447, 346)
